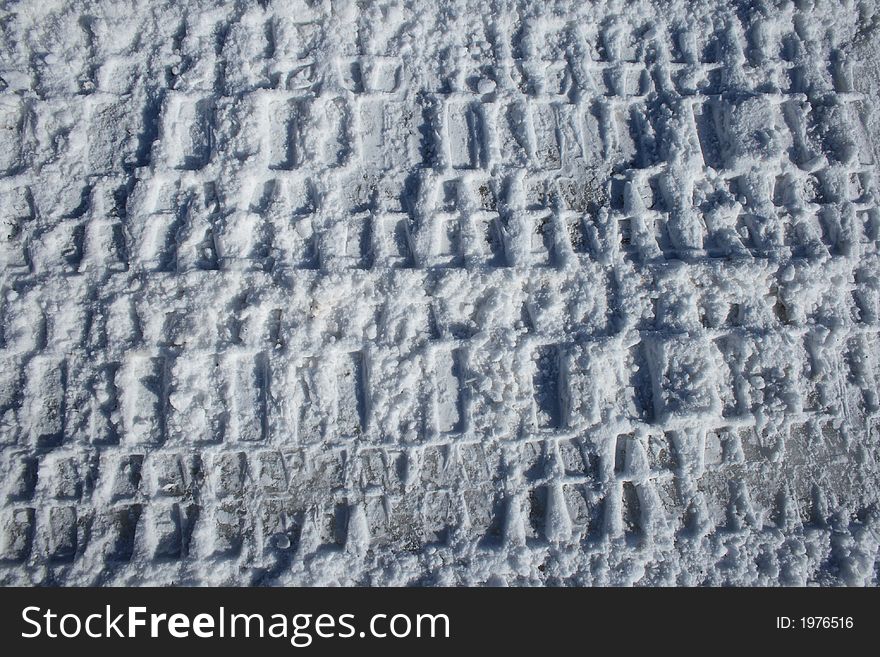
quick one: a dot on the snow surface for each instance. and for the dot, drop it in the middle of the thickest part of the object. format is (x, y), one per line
(414, 292)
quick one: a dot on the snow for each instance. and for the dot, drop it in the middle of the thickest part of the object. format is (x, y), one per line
(403, 292)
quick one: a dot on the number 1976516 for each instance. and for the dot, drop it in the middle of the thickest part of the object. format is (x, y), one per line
(815, 622)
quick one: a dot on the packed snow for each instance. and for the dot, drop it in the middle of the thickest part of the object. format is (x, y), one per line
(439, 293)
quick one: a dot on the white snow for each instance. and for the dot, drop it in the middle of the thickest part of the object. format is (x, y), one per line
(410, 292)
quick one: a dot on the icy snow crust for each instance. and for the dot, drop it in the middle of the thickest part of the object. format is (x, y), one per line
(439, 293)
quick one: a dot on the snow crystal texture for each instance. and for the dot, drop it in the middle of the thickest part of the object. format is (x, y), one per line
(415, 292)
